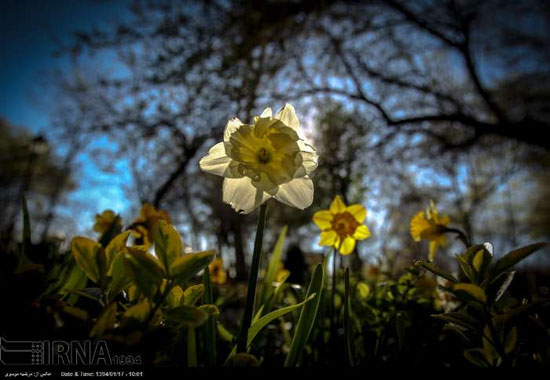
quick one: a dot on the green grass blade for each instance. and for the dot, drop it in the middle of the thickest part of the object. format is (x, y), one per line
(435, 270)
(209, 327)
(191, 347)
(252, 281)
(307, 317)
(272, 268)
(347, 326)
(265, 320)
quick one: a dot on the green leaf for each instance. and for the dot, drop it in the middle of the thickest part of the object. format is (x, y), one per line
(460, 319)
(85, 252)
(167, 241)
(307, 318)
(224, 333)
(471, 252)
(511, 340)
(210, 309)
(458, 331)
(476, 356)
(522, 310)
(471, 290)
(513, 257)
(489, 350)
(115, 247)
(105, 322)
(435, 270)
(77, 279)
(189, 316)
(481, 262)
(478, 260)
(143, 269)
(467, 269)
(175, 297)
(139, 311)
(279, 288)
(193, 294)
(264, 321)
(272, 268)
(498, 286)
(91, 293)
(187, 266)
(119, 279)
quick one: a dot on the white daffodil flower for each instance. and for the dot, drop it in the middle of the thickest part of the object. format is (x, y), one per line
(263, 160)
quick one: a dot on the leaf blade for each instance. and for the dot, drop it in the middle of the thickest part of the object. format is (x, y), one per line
(515, 256)
(307, 318)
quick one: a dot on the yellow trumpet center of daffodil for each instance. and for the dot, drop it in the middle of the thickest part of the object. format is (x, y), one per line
(264, 156)
(344, 224)
(266, 151)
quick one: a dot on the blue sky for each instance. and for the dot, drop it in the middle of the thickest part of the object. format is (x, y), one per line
(30, 32)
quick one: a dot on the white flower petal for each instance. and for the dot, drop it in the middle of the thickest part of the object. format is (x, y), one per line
(216, 161)
(309, 161)
(242, 195)
(305, 147)
(267, 113)
(489, 247)
(288, 116)
(296, 193)
(231, 126)
(310, 158)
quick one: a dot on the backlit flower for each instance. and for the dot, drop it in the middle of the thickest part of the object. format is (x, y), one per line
(142, 225)
(218, 275)
(105, 220)
(342, 225)
(263, 160)
(429, 225)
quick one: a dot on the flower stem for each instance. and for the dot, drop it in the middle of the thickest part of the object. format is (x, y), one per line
(210, 327)
(191, 347)
(252, 281)
(167, 290)
(347, 327)
(496, 341)
(333, 297)
(460, 235)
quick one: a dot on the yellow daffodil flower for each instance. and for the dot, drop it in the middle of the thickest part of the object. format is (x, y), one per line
(143, 224)
(429, 225)
(263, 160)
(218, 275)
(342, 225)
(104, 221)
